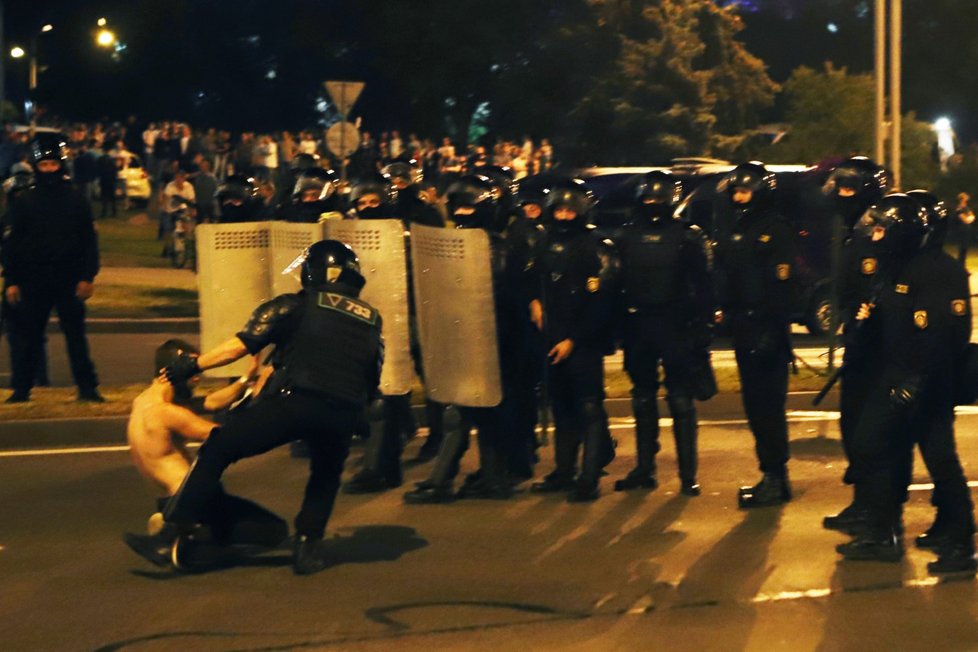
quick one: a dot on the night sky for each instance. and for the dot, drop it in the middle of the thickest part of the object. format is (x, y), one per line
(185, 59)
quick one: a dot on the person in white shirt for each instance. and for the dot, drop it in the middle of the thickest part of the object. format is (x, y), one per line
(307, 145)
(268, 153)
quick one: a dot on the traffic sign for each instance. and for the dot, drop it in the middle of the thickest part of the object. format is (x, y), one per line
(344, 94)
(343, 139)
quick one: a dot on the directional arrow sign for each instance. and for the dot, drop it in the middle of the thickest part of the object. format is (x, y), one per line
(344, 94)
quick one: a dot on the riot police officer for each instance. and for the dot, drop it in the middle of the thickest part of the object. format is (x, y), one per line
(853, 187)
(316, 393)
(410, 203)
(669, 305)
(238, 200)
(504, 451)
(920, 324)
(754, 260)
(50, 259)
(313, 198)
(570, 283)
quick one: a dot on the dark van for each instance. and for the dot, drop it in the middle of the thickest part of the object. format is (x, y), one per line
(798, 197)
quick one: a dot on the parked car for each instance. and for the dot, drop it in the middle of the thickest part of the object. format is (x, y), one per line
(798, 197)
(135, 180)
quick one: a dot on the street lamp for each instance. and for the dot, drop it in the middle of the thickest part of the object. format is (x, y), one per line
(105, 38)
(17, 52)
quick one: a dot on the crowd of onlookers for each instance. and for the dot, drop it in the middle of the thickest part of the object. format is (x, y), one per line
(208, 156)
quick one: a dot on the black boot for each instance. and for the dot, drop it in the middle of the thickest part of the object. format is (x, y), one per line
(646, 442)
(19, 396)
(584, 491)
(429, 494)
(684, 429)
(874, 544)
(553, 483)
(771, 490)
(154, 548)
(595, 452)
(307, 557)
(850, 520)
(435, 416)
(368, 481)
(936, 535)
(954, 558)
(90, 395)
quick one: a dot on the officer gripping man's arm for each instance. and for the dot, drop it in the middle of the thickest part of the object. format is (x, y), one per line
(316, 394)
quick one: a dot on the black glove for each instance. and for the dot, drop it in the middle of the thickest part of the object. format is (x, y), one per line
(905, 394)
(183, 369)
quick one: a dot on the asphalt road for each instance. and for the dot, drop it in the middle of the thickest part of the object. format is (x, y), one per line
(631, 571)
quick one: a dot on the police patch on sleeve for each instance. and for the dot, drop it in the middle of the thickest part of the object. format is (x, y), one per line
(593, 284)
(902, 288)
(765, 238)
(959, 307)
(869, 266)
(920, 319)
(784, 272)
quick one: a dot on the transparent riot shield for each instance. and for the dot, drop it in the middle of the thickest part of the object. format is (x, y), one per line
(287, 241)
(381, 247)
(233, 278)
(456, 315)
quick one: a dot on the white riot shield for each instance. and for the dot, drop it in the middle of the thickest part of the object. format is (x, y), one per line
(233, 278)
(380, 245)
(456, 315)
(288, 240)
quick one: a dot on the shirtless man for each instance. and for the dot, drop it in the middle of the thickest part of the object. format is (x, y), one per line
(164, 419)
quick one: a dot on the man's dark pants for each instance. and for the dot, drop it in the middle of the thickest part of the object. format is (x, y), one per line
(28, 321)
(325, 425)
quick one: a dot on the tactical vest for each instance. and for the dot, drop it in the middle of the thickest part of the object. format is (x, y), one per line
(651, 262)
(335, 347)
(744, 259)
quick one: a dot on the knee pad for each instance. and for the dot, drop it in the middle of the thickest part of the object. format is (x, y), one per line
(681, 405)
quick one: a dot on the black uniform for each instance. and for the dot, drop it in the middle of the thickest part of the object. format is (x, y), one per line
(754, 261)
(315, 394)
(920, 325)
(669, 307)
(50, 247)
(573, 278)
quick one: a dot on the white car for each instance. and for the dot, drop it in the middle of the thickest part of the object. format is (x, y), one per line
(136, 181)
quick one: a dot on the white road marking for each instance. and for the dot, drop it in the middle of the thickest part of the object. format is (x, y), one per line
(40, 452)
(822, 593)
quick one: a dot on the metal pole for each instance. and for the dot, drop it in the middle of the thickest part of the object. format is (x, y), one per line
(880, 67)
(896, 57)
(3, 58)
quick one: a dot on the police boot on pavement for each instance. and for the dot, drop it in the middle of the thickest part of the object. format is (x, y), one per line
(754, 258)
(315, 393)
(571, 283)
(669, 308)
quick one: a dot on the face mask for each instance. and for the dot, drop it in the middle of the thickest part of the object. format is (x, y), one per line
(373, 213)
(655, 212)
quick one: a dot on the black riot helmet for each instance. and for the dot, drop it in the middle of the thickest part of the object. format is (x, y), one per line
(238, 198)
(897, 223)
(937, 213)
(303, 161)
(472, 202)
(854, 185)
(752, 177)
(657, 195)
(372, 199)
(329, 261)
(531, 194)
(49, 147)
(168, 353)
(403, 173)
(570, 194)
(315, 185)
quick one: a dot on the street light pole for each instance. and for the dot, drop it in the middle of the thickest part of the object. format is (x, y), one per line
(880, 67)
(896, 71)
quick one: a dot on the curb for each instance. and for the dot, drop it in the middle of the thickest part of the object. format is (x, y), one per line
(95, 431)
